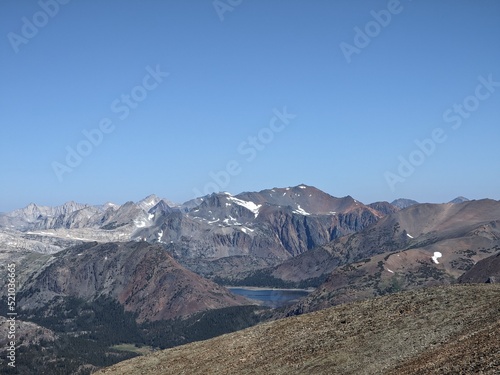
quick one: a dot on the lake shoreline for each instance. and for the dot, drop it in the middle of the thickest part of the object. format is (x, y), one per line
(309, 290)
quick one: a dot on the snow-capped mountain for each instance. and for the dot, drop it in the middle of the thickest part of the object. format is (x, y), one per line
(274, 223)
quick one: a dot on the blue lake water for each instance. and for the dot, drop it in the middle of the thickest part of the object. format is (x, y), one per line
(271, 297)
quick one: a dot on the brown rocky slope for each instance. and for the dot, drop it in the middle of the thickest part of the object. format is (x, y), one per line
(484, 271)
(142, 277)
(420, 246)
(442, 330)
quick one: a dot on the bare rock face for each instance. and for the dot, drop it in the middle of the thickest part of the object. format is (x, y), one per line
(144, 278)
(277, 223)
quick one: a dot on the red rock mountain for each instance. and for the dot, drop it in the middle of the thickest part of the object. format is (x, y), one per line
(422, 245)
(144, 278)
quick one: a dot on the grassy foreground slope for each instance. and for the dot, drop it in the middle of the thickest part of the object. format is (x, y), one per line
(446, 330)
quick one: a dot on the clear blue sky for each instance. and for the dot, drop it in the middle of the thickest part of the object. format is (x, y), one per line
(353, 119)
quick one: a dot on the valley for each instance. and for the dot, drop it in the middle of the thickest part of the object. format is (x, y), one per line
(428, 331)
(98, 285)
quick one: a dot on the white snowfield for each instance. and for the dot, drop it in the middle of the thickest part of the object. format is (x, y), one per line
(248, 205)
(301, 211)
(246, 230)
(437, 255)
(139, 223)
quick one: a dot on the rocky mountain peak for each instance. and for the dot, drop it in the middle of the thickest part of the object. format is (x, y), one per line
(403, 203)
(161, 207)
(149, 202)
(459, 199)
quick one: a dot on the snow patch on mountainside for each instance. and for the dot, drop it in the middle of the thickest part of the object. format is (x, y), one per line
(301, 211)
(248, 205)
(139, 223)
(233, 221)
(437, 255)
(246, 230)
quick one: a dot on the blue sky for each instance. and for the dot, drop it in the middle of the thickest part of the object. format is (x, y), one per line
(352, 117)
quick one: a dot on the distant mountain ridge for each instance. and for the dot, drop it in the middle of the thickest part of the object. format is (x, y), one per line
(275, 223)
(459, 200)
(403, 203)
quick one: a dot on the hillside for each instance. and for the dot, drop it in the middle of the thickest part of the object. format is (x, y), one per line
(76, 305)
(445, 330)
(401, 245)
(484, 271)
(142, 277)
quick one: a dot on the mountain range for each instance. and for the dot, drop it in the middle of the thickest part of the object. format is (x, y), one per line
(422, 245)
(259, 229)
(272, 225)
(157, 266)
